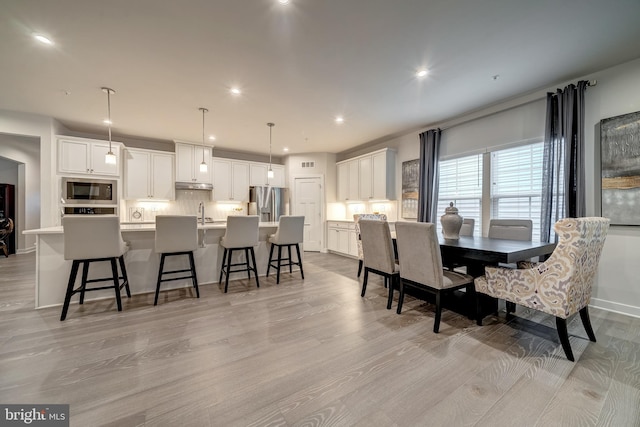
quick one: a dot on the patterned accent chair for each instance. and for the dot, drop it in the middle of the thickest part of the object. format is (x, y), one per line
(560, 286)
(6, 228)
(356, 218)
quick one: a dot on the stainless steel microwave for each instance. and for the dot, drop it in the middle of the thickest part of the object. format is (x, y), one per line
(83, 191)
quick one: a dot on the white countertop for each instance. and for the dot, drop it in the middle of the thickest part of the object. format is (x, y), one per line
(147, 227)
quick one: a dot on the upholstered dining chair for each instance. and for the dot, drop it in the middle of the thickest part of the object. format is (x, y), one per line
(356, 219)
(561, 285)
(6, 228)
(379, 256)
(421, 265)
(511, 229)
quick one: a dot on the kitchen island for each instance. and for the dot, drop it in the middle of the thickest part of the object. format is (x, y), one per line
(52, 270)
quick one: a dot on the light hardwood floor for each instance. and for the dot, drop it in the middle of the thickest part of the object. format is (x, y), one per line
(307, 353)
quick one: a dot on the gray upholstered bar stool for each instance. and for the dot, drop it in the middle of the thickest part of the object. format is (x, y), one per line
(290, 233)
(90, 239)
(176, 235)
(241, 235)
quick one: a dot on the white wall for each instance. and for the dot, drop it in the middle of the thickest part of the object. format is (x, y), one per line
(22, 161)
(617, 92)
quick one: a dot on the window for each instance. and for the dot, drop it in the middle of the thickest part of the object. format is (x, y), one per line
(516, 184)
(461, 183)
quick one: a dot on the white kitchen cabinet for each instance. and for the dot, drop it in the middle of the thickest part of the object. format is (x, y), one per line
(188, 160)
(258, 175)
(86, 157)
(148, 175)
(367, 177)
(230, 180)
(341, 238)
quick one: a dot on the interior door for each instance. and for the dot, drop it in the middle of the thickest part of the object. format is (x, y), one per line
(308, 202)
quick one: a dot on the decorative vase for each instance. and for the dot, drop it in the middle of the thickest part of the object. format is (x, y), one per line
(451, 223)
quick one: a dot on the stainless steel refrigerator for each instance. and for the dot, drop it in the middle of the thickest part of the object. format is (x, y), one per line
(269, 203)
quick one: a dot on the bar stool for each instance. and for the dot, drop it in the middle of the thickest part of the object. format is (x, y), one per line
(90, 239)
(176, 235)
(290, 233)
(241, 235)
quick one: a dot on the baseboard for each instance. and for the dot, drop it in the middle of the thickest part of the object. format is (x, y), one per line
(26, 251)
(615, 307)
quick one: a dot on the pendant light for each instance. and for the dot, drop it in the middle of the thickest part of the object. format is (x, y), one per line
(270, 171)
(203, 165)
(109, 158)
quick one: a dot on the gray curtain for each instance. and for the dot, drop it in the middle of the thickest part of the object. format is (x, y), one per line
(563, 180)
(428, 181)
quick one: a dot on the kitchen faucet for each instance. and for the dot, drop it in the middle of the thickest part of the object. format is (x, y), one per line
(201, 211)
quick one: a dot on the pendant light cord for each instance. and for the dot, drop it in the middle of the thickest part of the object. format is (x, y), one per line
(271, 125)
(204, 110)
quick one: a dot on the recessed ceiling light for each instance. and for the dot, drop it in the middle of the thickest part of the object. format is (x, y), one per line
(107, 122)
(422, 73)
(212, 137)
(339, 119)
(235, 91)
(43, 39)
(283, 1)
(285, 149)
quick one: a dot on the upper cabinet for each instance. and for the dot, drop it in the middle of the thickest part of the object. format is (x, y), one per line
(148, 175)
(230, 180)
(367, 177)
(87, 157)
(188, 160)
(258, 175)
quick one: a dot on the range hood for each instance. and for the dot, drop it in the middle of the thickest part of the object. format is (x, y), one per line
(194, 186)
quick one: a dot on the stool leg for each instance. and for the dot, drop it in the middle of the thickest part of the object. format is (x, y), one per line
(72, 281)
(255, 266)
(83, 285)
(299, 260)
(290, 259)
(279, 261)
(246, 258)
(194, 277)
(224, 257)
(226, 283)
(116, 282)
(125, 277)
(155, 300)
(270, 258)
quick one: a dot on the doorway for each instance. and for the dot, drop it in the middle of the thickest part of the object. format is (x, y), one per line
(308, 202)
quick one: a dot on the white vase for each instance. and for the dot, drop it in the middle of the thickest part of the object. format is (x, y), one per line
(451, 223)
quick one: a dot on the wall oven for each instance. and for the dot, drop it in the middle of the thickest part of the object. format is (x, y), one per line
(82, 191)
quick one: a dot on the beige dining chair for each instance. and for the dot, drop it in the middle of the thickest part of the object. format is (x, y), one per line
(89, 239)
(378, 254)
(356, 220)
(511, 229)
(421, 265)
(176, 235)
(561, 285)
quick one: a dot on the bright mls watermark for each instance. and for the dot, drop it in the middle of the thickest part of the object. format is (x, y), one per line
(34, 415)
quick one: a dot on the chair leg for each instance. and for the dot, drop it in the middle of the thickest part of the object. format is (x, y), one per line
(360, 264)
(561, 325)
(290, 259)
(194, 277)
(436, 323)
(586, 322)
(279, 261)
(392, 281)
(478, 310)
(401, 296)
(299, 260)
(270, 258)
(255, 266)
(72, 281)
(246, 258)
(116, 282)
(224, 259)
(125, 277)
(364, 282)
(228, 267)
(85, 275)
(510, 306)
(160, 269)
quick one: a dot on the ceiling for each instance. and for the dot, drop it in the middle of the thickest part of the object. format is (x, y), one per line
(298, 65)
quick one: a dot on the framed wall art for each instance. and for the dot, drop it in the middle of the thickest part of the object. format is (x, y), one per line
(410, 177)
(620, 166)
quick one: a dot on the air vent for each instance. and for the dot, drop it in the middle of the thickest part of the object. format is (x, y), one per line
(308, 164)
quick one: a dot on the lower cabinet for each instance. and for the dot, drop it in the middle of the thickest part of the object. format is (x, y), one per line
(341, 238)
